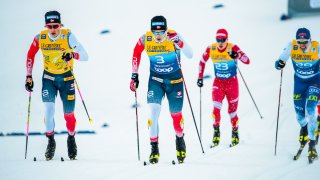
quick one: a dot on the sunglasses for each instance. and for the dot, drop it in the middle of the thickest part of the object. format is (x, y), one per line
(221, 40)
(158, 32)
(302, 41)
(55, 26)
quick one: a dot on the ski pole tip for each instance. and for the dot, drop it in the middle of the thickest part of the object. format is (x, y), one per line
(90, 120)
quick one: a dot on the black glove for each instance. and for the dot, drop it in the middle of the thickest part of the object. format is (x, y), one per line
(279, 64)
(233, 54)
(200, 82)
(67, 56)
(134, 82)
(29, 83)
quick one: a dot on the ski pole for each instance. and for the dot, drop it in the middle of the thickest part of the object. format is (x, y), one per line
(28, 122)
(275, 147)
(248, 89)
(185, 87)
(137, 125)
(200, 114)
(78, 88)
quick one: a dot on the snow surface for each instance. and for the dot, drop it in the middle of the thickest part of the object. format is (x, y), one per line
(104, 81)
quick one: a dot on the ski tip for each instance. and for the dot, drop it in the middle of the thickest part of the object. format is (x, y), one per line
(34, 159)
(144, 163)
(173, 162)
(62, 159)
(213, 145)
(232, 145)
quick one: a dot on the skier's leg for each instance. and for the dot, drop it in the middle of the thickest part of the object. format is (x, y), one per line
(217, 97)
(299, 99)
(67, 94)
(175, 96)
(49, 93)
(312, 100)
(154, 99)
(232, 95)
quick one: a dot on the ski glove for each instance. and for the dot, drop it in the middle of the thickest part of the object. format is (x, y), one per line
(68, 56)
(233, 54)
(174, 37)
(200, 82)
(29, 83)
(279, 64)
(134, 82)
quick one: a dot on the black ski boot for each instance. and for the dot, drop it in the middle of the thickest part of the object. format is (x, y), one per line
(51, 147)
(72, 147)
(303, 138)
(154, 156)
(180, 149)
(313, 155)
(216, 136)
(318, 131)
(234, 137)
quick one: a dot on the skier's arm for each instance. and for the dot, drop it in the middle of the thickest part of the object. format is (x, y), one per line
(202, 63)
(34, 47)
(186, 49)
(138, 49)
(179, 43)
(286, 52)
(79, 52)
(240, 54)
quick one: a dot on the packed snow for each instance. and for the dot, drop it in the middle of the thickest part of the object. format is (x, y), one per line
(104, 80)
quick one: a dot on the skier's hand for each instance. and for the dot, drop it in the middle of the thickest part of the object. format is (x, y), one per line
(200, 82)
(134, 82)
(233, 54)
(280, 64)
(174, 37)
(68, 56)
(29, 83)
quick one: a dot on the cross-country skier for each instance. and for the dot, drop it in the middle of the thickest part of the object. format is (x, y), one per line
(305, 55)
(224, 56)
(163, 47)
(59, 48)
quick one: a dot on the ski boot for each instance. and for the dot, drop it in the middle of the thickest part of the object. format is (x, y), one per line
(72, 147)
(216, 136)
(234, 137)
(51, 147)
(303, 138)
(313, 155)
(154, 156)
(180, 149)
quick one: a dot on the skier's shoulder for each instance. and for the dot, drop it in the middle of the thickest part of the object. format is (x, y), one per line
(171, 31)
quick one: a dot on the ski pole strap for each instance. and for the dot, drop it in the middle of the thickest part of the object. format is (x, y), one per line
(175, 81)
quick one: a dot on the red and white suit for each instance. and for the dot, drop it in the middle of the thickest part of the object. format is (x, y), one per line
(225, 83)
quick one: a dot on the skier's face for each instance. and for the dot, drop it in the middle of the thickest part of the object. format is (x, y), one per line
(53, 29)
(303, 43)
(222, 43)
(159, 35)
